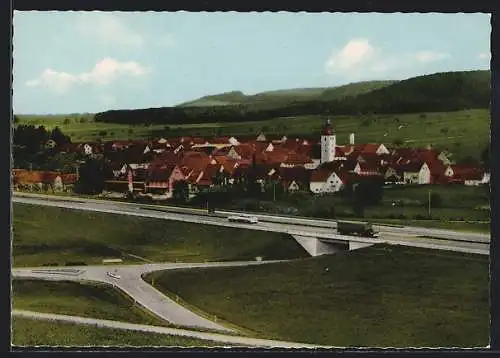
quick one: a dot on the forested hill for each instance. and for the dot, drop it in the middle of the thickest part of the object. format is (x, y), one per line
(279, 98)
(440, 92)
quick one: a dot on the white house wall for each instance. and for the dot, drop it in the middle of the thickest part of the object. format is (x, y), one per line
(382, 149)
(424, 175)
(331, 185)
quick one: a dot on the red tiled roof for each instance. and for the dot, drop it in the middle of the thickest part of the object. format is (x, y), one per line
(299, 174)
(410, 167)
(33, 177)
(160, 173)
(320, 175)
(244, 150)
(368, 148)
(69, 178)
(369, 167)
(195, 160)
(467, 172)
(295, 158)
(324, 170)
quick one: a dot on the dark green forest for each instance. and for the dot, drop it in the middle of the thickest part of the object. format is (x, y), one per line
(441, 92)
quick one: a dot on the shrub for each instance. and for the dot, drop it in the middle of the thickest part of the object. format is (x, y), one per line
(436, 200)
(397, 142)
(421, 217)
(365, 123)
(444, 130)
(103, 133)
(75, 263)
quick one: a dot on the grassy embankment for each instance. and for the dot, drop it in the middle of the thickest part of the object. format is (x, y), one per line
(92, 300)
(378, 296)
(29, 332)
(48, 235)
(462, 132)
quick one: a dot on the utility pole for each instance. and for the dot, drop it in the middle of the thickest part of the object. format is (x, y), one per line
(429, 204)
(274, 191)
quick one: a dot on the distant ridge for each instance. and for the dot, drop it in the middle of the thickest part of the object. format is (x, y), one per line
(439, 92)
(284, 96)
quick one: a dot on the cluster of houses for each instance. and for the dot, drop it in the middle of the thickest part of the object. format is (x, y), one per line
(153, 167)
(34, 180)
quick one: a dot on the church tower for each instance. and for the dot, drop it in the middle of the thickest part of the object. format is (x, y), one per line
(328, 143)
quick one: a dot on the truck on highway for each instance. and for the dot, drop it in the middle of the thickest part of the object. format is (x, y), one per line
(243, 219)
(356, 229)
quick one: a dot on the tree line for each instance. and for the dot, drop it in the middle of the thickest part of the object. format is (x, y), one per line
(451, 91)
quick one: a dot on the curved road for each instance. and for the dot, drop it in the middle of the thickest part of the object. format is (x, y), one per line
(131, 283)
(243, 341)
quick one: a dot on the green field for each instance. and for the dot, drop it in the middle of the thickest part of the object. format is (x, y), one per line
(93, 300)
(30, 332)
(377, 296)
(462, 133)
(49, 235)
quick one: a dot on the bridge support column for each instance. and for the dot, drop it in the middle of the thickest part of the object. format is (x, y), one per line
(353, 245)
(315, 247)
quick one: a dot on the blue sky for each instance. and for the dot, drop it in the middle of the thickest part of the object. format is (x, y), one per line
(75, 62)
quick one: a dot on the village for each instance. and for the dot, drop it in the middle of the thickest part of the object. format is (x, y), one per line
(317, 165)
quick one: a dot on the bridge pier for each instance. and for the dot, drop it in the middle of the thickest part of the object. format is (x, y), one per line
(353, 245)
(316, 247)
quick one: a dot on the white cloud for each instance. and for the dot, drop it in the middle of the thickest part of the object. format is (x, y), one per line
(356, 54)
(430, 56)
(108, 29)
(484, 56)
(103, 73)
(359, 58)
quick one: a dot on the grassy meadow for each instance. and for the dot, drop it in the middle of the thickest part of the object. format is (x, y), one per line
(463, 133)
(31, 332)
(93, 300)
(374, 297)
(59, 236)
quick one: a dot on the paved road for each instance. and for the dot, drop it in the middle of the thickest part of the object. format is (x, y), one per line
(131, 283)
(236, 340)
(456, 241)
(267, 218)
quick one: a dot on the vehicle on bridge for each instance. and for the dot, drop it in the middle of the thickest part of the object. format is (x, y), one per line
(248, 219)
(113, 275)
(356, 229)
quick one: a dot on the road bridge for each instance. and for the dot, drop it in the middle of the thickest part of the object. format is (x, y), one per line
(316, 239)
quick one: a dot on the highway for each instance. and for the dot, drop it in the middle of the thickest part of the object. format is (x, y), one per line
(408, 236)
(215, 337)
(131, 283)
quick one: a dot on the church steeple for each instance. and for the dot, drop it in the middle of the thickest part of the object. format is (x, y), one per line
(328, 143)
(327, 128)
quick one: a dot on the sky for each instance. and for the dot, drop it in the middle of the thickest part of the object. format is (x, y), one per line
(87, 62)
